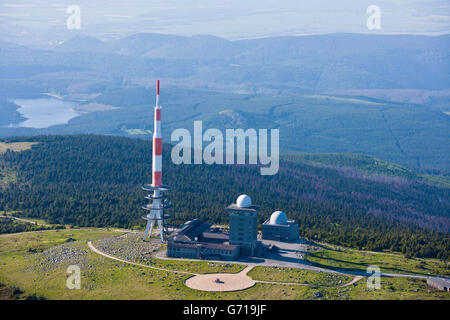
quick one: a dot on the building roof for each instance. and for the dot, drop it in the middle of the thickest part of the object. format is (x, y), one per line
(244, 201)
(278, 217)
(219, 246)
(234, 207)
(178, 237)
(202, 245)
(183, 244)
(192, 229)
(188, 237)
(287, 225)
(216, 236)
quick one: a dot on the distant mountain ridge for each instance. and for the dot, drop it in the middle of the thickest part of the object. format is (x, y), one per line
(343, 43)
(278, 82)
(320, 62)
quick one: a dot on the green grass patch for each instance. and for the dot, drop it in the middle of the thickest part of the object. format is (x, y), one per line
(335, 257)
(394, 288)
(16, 146)
(11, 225)
(298, 276)
(19, 244)
(195, 266)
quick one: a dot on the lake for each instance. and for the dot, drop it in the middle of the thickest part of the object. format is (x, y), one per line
(45, 112)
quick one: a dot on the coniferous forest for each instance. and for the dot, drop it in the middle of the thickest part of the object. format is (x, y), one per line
(89, 180)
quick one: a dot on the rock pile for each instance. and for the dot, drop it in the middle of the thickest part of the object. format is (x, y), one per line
(73, 253)
(128, 246)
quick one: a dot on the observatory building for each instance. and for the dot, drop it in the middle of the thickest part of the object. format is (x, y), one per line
(244, 225)
(279, 228)
(196, 239)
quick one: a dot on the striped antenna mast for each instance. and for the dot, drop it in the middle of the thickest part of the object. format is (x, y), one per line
(157, 143)
(158, 195)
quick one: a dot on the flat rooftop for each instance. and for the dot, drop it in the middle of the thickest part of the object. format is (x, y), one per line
(203, 245)
(234, 206)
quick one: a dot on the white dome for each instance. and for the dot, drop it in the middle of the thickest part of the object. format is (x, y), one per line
(278, 217)
(244, 201)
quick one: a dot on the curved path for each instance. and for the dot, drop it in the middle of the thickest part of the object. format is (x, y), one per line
(217, 282)
(355, 279)
(94, 249)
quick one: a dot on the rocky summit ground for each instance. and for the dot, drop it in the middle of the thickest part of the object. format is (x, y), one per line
(129, 247)
(73, 253)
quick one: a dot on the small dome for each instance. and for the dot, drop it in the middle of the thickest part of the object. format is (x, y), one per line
(278, 217)
(244, 201)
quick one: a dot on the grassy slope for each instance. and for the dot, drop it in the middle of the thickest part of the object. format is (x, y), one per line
(298, 276)
(336, 257)
(195, 266)
(104, 278)
(37, 221)
(16, 146)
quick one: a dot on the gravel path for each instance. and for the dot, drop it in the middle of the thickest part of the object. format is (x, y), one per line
(94, 249)
(355, 279)
(129, 247)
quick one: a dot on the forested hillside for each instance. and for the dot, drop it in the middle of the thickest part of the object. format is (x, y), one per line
(90, 180)
(410, 135)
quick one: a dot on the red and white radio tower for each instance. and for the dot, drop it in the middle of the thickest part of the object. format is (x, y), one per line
(158, 196)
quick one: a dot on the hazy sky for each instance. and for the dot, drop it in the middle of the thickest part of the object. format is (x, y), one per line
(45, 20)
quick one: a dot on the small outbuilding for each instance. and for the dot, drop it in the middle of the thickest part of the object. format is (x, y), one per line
(279, 228)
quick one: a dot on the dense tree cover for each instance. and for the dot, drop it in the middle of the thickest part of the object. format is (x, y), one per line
(89, 180)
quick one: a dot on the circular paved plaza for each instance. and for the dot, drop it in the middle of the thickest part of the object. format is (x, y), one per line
(221, 281)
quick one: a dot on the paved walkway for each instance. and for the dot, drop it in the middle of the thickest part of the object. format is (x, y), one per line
(220, 282)
(94, 249)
